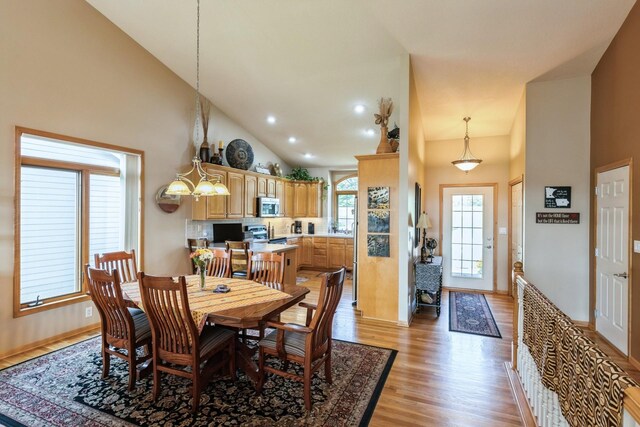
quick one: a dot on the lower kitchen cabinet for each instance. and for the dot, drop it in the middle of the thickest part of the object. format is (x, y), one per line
(324, 252)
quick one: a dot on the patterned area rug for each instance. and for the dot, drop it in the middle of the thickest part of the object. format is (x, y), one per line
(64, 388)
(470, 313)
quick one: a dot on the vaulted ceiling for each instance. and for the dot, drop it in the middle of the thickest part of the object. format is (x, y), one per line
(309, 63)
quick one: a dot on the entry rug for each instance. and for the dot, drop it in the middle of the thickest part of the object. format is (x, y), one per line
(64, 388)
(470, 313)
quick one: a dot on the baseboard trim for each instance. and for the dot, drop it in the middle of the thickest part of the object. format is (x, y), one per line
(634, 362)
(526, 414)
(50, 340)
(613, 347)
(585, 324)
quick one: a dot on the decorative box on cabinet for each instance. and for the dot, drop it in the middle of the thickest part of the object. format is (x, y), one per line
(429, 282)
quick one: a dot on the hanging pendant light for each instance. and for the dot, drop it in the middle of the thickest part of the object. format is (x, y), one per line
(466, 162)
(182, 185)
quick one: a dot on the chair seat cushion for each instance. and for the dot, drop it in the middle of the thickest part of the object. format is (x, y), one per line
(141, 325)
(240, 273)
(293, 342)
(212, 337)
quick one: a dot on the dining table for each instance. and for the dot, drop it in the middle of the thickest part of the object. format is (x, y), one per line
(247, 305)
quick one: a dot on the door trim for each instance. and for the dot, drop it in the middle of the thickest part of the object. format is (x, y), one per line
(594, 234)
(494, 186)
(515, 181)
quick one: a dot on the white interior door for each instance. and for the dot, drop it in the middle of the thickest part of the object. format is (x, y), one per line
(516, 224)
(467, 237)
(612, 256)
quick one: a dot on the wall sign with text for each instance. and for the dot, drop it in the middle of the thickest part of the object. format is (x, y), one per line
(557, 218)
(557, 197)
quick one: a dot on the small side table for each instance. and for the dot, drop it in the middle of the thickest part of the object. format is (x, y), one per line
(429, 282)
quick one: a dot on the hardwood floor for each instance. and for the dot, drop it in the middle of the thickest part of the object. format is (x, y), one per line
(439, 378)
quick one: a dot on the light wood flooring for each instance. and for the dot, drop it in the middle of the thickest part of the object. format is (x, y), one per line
(439, 378)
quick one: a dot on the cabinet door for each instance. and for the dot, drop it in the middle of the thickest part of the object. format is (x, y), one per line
(262, 186)
(217, 205)
(296, 241)
(313, 200)
(250, 194)
(280, 196)
(320, 252)
(300, 200)
(348, 258)
(307, 250)
(289, 196)
(337, 255)
(271, 187)
(235, 204)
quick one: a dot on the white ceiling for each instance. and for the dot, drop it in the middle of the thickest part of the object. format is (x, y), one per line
(308, 63)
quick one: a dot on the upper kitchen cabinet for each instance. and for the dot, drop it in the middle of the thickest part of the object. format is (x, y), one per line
(211, 207)
(236, 201)
(262, 186)
(300, 196)
(280, 195)
(271, 187)
(250, 195)
(287, 207)
(313, 200)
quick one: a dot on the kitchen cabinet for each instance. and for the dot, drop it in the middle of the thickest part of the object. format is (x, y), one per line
(250, 195)
(271, 187)
(337, 253)
(313, 199)
(300, 191)
(262, 186)
(320, 252)
(288, 199)
(236, 200)
(348, 258)
(280, 195)
(216, 206)
(298, 242)
(307, 251)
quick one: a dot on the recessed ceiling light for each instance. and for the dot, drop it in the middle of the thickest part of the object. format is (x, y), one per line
(308, 155)
(370, 132)
(359, 109)
(292, 139)
(271, 119)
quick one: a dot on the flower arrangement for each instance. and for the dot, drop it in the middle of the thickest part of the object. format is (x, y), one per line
(201, 258)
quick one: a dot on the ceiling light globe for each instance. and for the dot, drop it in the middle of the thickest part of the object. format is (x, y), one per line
(178, 188)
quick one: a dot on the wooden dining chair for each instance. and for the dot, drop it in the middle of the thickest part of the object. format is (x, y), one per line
(309, 345)
(267, 269)
(123, 262)
(239, 258)
(176, 340)
(220, 265)
(122, 328)
(194, 244)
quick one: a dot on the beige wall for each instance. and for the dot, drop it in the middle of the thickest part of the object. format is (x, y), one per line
(556, 257)
(416, 174)
(614, 134)
(494, 152)
(518, 137)
(67, 69)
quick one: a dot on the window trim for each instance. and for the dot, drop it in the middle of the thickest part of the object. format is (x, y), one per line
(19, 309)
(337, 193)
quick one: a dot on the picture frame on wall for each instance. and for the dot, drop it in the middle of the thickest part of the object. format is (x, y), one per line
(378, 245)
(378, 221)
(378, 198)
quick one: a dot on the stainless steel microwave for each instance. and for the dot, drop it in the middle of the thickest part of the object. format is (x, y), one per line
(268, 207)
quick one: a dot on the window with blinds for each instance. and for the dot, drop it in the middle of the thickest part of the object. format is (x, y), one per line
(49, 233)
(61, 182)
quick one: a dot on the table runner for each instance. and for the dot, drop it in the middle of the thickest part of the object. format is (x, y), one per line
(243, 293)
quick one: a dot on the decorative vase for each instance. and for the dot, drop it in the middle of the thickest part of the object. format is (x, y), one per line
(204, 151)
(201, 273)
(384, 146)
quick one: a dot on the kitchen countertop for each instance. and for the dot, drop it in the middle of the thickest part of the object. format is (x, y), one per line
(263, 247)
(337, 235)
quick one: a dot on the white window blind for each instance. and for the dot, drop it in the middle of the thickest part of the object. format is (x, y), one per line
(49, 233)
(106, 231)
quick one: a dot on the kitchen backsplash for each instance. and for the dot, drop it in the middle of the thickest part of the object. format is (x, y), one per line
(282, 226)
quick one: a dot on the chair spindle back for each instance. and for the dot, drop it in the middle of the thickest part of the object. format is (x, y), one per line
(330, 294)
(220, 265)
(106, 294)
(267, 269)
(166, 304)
(123, 262)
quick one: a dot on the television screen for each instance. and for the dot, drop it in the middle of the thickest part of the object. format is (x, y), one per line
(227, 231)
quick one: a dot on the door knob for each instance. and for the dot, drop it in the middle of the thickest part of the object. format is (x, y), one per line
(488, 247)
(622, 275)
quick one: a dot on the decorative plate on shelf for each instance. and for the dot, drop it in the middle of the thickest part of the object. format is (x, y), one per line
(239, 154)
